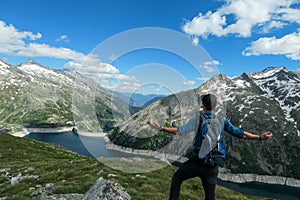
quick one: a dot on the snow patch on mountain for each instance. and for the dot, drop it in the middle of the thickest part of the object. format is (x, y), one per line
(270, 71)
(4, 67)
(275, 84)
(282, 86)
(36, 70)
(242, 83)
(33, 68)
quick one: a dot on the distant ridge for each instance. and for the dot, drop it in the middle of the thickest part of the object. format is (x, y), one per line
(257, 102)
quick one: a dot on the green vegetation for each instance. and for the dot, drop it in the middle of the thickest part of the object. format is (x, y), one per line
(154, 143)
(74, 173)
(34, 105)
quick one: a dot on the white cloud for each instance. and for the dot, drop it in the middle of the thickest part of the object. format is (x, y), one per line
(23, 43)
(290, 14)
(273, 25)
(203, 78)
(119, 77)
(63, 38)
(94, 68)
(91, 64)
(122, 86)
(189, 83)
(289, 46)
(12, 40)
(202, 25)
(208, 69)
(209, 66)
(195, 41)
(246, 15)
(112, 57)
(44, 50)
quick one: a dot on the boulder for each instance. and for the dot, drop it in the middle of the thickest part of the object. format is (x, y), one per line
(108, 190)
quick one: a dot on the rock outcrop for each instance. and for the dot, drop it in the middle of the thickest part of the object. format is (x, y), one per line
(102, 189)
(46, 193)
(108, 190)
(3, 130)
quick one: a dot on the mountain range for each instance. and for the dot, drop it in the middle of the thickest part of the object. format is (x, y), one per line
(33, 95)
(257, 102)
(137, 101)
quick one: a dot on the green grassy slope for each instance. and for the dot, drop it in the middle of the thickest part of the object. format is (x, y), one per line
(74, 173)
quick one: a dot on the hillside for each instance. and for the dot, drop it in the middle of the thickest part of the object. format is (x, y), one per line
(258, 102)
(38, 164)
(33, 95)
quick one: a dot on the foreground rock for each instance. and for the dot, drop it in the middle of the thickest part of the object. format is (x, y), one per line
(46, 193)
(3, 130)
(102, 189)
(108, 190)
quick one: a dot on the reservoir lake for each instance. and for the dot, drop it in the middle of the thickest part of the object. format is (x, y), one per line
(96, 147)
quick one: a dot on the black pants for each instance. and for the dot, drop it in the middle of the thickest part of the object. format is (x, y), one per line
(194, 167)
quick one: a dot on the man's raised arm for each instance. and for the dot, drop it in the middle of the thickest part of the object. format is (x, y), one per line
(156, 126)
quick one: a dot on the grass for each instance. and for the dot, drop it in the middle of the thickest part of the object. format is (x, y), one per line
(74, 173)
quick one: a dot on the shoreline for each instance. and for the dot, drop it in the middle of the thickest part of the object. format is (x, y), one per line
(91, 134)
(165, 157)
(224, 174)
(27, 131)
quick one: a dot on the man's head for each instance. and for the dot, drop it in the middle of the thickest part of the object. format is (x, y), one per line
(209, 101)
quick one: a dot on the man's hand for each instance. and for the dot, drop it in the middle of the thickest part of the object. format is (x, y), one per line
(251, 136)
(154, 125)
(266, 135)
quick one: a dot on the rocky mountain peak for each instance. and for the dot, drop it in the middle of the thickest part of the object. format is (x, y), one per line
(245, 76)
(268, 72)
(221, 77)
(33, 95)
(273, 68)
(38, 70)
(246, 81)
(258, 102)
(30, 64)
(217, 81)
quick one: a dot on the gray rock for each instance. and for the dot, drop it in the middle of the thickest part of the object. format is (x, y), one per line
(15, 180)
(62, 197)
(102, 190)
(108, 190)
(3, 130)
(46, 193)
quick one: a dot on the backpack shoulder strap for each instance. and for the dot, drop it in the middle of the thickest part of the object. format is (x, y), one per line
(203, 121)
(202, 118)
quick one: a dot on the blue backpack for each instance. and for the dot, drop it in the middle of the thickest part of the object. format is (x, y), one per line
(212, 142)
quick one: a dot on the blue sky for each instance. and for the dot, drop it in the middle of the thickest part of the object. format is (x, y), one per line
(237, 35)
